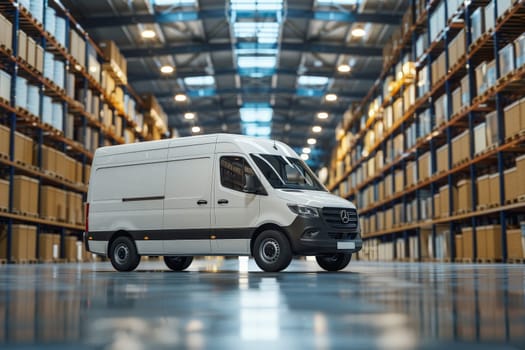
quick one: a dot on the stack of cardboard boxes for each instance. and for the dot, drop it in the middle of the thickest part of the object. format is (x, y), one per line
(23, 243)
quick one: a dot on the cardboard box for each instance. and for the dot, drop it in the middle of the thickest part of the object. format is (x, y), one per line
(492, 128)
(464, 195)
(411, 170)
(389, 218)
(483, 190)
(459, 246)
(456, 101)
(494, 189)
(23, 148)
(31, 52)
(424, 166)
(513, 119)
(23, 240)
(39, 58)
(22, 45)
(87, 173)
(61, 203)
(460, 147)
(398, 181)
(48, 158)
(468, 247)
(48, 202)
(60, 163)
(70, 248)
(6, 36)
(4, 140)
(519, 45)
(480, 138)
(511, 181)
(493, 241)
(444, 193)
(25, 195)
(45, 247)
(514, 245)
(520, 173)
(507, 62)
(437, 205)
(442, 158)
(4, 194)
(481, 243)
(522, 114)
(489, 15)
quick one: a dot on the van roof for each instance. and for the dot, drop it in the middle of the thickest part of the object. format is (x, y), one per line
(248, 144)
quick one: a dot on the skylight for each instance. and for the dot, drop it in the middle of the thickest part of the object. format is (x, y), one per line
(312, 80)
(257, 130)
(264, 32)
(337, 2)
(178, 3)
(257, 5)
(256, 114)
(205, 80)
(264, 62)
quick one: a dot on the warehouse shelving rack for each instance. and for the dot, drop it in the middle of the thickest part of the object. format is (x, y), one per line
(507, 28)
(18, 119)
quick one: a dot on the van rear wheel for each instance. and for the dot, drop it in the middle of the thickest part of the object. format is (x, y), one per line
(123, 255)
(178, 263)
(272, 251)
(334, 262)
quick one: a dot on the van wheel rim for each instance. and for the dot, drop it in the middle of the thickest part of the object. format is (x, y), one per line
(270, 250)
(121, 254)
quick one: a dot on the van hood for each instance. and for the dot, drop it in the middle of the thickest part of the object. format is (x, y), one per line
(318, 199)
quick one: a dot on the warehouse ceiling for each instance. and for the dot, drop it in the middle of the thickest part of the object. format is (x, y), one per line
(264, 68)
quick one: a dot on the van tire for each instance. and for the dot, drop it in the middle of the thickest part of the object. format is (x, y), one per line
(272, 251)
(123, 255)
(333, 262)
(178, 263)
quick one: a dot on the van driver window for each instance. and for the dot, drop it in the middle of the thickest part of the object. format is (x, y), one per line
(232, 171)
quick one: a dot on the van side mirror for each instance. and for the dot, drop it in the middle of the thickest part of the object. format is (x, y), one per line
(250, 184)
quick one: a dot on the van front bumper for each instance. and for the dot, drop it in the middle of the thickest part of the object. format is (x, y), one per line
(312, 236)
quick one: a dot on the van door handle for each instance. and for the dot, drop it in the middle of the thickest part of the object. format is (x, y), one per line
(202, 202)
(222, 201)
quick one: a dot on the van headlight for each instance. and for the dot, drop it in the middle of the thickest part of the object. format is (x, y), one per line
(304, 211)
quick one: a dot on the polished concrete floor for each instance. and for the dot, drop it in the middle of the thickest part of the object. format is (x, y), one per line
(231, 304)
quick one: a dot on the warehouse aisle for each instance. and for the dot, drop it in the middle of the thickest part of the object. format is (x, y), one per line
(231, 304)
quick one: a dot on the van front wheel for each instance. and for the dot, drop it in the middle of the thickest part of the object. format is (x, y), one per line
(334, 262)
(123, 255)
(178, 263)
(272, 251)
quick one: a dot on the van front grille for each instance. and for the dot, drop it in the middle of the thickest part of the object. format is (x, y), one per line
(335, 218)
(342, 235)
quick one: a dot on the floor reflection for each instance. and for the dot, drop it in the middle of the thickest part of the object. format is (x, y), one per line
(230, 303)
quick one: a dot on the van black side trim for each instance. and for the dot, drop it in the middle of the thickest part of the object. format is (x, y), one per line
(166, 235)
(136, 199)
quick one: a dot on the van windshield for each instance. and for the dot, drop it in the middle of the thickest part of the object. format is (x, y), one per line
(286, 172)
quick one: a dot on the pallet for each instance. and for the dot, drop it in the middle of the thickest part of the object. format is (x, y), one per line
(511, 201)
(24, 213)
(516, 261)
(521, 198)
(462, 211)
(25, 261)
(488, 261)
(4, 210)
(464, 260)
(3, 261)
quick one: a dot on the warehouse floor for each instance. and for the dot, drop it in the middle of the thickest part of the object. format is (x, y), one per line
(231, 304)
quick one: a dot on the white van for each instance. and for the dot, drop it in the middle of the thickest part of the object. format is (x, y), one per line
(220, 194)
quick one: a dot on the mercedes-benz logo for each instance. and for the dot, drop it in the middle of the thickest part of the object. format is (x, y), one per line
(345, 216)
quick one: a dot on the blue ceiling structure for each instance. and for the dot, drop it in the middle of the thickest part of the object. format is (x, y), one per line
(268, 68)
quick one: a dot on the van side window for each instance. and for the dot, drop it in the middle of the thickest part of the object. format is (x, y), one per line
(233, 170)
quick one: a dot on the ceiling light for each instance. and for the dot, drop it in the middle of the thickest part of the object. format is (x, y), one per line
(189, 115)
(167, 69)
(331, 97)
(344, 68)
(180, 98)
(195, 129)
(204, 80)
(304, 156)
(317, 129)
(322, 115)
(312, 80)
(358, 32)
(311, 141)
(307, 150)
(148, 34)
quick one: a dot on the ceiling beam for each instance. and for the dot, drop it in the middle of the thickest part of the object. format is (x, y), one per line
(148, 77)
(198, 47)
(184, 16)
